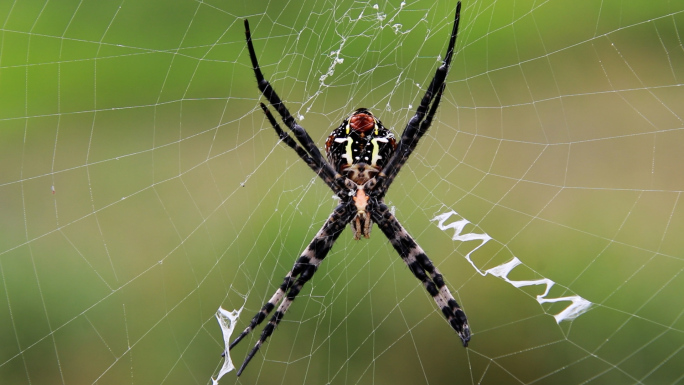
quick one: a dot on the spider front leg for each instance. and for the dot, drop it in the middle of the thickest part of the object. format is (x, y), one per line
(322, 172)
(299, 131)
(420, 265)
(384, 180)
(421, 121)
(302, 271)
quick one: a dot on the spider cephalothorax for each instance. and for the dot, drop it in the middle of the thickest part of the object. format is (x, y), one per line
(363, 160)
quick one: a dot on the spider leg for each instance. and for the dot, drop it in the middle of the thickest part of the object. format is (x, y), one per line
(301, 273)
(421, 266)
(382, 187)
(303, 155)
(415, 129)
(298, 131)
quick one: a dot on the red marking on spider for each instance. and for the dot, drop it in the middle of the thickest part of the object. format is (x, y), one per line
(362, 122)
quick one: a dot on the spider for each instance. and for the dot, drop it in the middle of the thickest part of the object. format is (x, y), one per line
(363, 160)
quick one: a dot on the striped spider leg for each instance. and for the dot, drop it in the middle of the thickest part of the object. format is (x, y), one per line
(327, 177)
(412, 254)
(417, 127)
(301, 273)
(298, 131)
(420, 265)
(307, 264)
(363, 160)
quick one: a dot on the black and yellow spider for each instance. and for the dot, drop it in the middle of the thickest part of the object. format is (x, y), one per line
(363, 160)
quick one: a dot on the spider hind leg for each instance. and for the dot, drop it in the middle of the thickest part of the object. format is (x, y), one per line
(423, 269)
(302, 271)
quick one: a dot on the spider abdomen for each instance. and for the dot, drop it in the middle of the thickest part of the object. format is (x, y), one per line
(360, 139)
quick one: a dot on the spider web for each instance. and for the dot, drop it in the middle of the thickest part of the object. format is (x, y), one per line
(141, 189)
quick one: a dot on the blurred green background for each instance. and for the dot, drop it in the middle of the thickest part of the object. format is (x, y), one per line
(141, 188)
